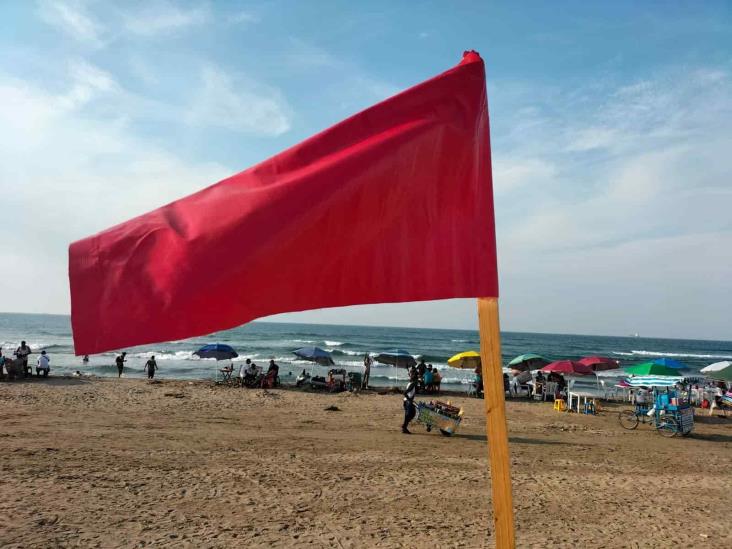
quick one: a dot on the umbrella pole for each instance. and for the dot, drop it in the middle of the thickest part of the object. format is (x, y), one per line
(495, 414)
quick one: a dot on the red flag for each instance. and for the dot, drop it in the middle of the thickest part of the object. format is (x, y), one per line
(392, 204)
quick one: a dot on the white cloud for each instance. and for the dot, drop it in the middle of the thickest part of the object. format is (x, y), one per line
(65, 174)
(73, 18)
(239, 104)
(244, 17)
(161, 17)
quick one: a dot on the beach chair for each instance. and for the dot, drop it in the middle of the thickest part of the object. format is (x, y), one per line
(550, 390)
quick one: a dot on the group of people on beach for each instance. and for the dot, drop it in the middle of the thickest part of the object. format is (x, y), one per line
(149, 368)
(19, 365)
(422, 378)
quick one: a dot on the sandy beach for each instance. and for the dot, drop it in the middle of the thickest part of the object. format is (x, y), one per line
(124, 463)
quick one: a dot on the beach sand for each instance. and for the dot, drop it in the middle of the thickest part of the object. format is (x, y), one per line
(124, 463)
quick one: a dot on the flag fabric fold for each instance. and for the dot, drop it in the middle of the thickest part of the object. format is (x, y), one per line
(393, 204)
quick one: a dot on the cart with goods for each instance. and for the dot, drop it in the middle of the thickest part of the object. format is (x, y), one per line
(441, 415)
(671, 415)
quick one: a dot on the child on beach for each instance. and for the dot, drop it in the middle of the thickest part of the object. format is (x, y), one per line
(151, 366)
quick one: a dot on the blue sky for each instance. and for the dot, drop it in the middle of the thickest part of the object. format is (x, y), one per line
(610, 130)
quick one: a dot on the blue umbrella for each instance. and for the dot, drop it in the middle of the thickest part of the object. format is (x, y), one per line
(219, 351)
(315, 354)
(669, 363)
(396, 357)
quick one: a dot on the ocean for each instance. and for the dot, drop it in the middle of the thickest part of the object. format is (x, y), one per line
(261, 341)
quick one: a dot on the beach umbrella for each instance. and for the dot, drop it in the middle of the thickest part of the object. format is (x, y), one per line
(651, 369)
(528, 361)
(599, 363)
(654, 381)
(315, 354)
(467, 359)
(670, 362)
(566, 367)
(396, 357)
(219, 351)
(719, 370)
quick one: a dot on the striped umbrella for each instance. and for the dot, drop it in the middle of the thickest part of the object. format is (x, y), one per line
(654, 381)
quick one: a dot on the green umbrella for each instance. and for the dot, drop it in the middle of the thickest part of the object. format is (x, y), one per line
(528, 357)
(651, 369)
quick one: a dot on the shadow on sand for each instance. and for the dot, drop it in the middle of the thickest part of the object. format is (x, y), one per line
(516, 440)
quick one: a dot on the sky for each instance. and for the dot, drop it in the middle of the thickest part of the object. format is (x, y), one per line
(611, 128)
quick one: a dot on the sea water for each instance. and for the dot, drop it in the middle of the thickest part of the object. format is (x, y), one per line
(262, 341)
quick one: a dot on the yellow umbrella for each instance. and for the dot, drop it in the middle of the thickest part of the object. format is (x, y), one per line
(468, 359)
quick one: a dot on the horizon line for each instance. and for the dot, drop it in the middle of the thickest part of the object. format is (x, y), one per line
(475, 330)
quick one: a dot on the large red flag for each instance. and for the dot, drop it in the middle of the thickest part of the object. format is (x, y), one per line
(392, 204)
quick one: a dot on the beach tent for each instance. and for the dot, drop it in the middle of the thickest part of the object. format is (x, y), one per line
(566, 367)
(314, 354)
(467, 359)
(219, 351)
(651, 369)
(599, 363)
(321, 224)
(721, 371)
(528, 361)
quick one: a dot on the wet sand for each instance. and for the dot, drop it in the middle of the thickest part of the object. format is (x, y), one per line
(124, 463)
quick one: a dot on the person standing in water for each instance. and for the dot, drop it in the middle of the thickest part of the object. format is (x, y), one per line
(151, 366)
(409, 409)
(367, 362)
(120, 361)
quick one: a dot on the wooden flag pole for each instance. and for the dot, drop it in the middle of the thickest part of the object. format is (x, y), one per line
(495, 417)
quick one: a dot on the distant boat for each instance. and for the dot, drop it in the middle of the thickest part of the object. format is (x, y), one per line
(636, 334)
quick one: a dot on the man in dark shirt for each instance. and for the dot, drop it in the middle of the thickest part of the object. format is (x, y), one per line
(120, 361)
(409, 409)
(151, 366)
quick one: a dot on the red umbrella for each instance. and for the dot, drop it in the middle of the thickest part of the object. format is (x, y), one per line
(566, 367)
(598, 363)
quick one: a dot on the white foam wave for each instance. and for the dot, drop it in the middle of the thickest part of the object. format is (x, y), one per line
(303, 341)
(333, 343)
(661, 354)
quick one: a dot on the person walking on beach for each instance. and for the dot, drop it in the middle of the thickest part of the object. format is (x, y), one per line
(120, 361)
(367, 362)
(22, 353)
(409, 409)
(151, 366)
(43, 365)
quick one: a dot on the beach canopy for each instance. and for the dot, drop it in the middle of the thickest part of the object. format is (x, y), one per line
(721, 371)
(569, 367)
(599, 363)
(528, 361)
(651, 369)
(670, 362)
(219, 351)
(314, 354)
(654, 381)
(467, 359)
(327, 223)
(396, 357)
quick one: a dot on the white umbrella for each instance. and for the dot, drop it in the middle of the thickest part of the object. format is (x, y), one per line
(716, 367)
